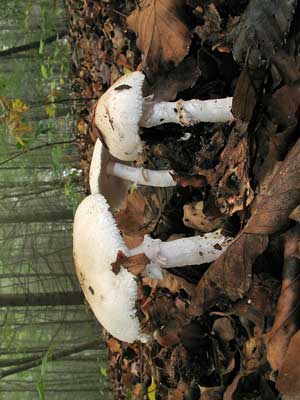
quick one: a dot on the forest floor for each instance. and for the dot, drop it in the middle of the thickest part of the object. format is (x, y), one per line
(229, 329)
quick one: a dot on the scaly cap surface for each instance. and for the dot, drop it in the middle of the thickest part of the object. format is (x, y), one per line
(117, 116)
(96, 242)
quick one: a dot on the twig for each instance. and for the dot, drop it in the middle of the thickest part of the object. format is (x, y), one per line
(36, 148)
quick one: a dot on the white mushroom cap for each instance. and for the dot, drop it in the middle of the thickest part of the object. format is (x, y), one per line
(117, 116)
(114, 189)
(96, 242)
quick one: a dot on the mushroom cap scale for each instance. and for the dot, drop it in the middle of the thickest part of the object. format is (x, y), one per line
(117, 116)
(96, 243)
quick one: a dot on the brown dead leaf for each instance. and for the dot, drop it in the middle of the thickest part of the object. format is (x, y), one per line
(228, 395)
(212, 393)
(162, 35)
(113, 345)
(284, 105)
(243, 387)
(230, 275)
(195, 218)
(134, 264)
(140, 213)
(285, 63)
(171, 282)
(179, 392)
(224, 328)
(180, 78)
(167, 336)
(288, 382)
(211, 31)
(271, 210)
(138, 392)
(246, 93)
(196, 181)
(229, 179)
(287, 319)
(259, 302)
(295, 214)
(234, 186)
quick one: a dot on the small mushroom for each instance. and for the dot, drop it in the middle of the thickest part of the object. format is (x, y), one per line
(112, 179)
(96, 243)
(122, 110)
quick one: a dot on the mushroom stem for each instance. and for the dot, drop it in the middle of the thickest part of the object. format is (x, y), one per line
(186, 113)
(140, 176)
(187, 251)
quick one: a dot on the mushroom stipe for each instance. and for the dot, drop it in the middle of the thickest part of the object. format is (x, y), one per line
(96, 244)
(122, 110)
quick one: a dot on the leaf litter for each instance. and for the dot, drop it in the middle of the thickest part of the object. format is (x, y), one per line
(230, 329)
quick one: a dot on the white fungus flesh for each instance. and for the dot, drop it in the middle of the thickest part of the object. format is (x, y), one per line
(117, 116)
(112, 297)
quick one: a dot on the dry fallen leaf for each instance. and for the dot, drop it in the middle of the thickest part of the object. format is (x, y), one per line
(171, 282)
(140, 213)
(287, 319)
(196, 181)
(113, 345)
(295, 214)
(134, 264)
(162, 35)
(195, 218)
(178, 79)
(288, 382)
(230, 275)
(272, 209)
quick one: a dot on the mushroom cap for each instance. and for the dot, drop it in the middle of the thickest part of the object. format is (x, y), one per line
(96, 243)
(114, 189)
(117, 116)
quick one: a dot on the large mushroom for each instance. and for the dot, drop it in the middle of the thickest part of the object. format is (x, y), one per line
(122, 110)
(112, 178)
(112, 297)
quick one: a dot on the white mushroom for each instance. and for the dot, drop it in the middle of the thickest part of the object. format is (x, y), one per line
(112, 179)
(96, 243)
(121, 110)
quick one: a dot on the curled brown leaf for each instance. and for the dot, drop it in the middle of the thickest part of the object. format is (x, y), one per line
(162, 35)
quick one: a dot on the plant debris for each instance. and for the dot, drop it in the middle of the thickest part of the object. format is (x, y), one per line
(223, 330)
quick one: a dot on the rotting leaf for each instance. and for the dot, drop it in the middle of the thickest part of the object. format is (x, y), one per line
(211, 31)
(272, 209)
(194, 217)
(113, 345)
(162, 35)
(246, 93)
(171, 282)
(230, 275)
(167, 335)
(284, 105)
(263, 28)
(288, 382)
(180, 78)
(259, 302)
(134, 264)
(287, 319)
(295, 214)
(229, 179)
(195, 181)
(140, 213)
